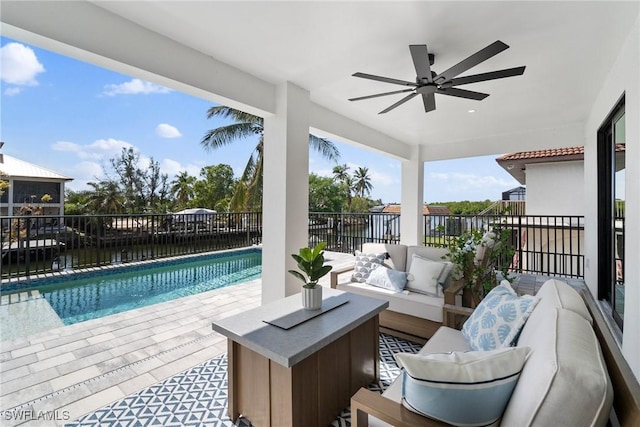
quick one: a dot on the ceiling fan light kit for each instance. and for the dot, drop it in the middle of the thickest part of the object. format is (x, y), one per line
(428, 82)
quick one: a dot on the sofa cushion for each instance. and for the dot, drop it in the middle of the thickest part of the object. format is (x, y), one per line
(388, 278)
(423, 275)
(558, 294)
(418, 305)
(365, 263)
(498, 319)
(565, 380)
(438, 385)
(444, 340)
(397, 254)
(436, 254)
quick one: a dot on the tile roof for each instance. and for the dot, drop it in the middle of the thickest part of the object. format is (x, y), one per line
(14, 168)
(538, 154)
(426, 209)
(552, 152)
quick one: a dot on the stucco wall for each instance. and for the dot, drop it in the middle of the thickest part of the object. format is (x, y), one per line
(555, 188)
(623, 78)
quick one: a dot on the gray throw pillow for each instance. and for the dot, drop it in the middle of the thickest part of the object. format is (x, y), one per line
(365, 264)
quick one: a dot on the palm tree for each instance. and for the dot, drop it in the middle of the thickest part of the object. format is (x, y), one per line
(341, 175)
(244, 126)
(362, 183)
(182, 188)
(106, 197)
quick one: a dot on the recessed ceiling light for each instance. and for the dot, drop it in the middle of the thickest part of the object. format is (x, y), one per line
(472, 111)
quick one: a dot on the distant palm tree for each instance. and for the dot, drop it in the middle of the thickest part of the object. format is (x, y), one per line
(341, 175)
(106, 198)
(362, 184)
(182, 188)
(246, 125)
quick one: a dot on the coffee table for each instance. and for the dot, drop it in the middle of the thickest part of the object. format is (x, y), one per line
(305, 375)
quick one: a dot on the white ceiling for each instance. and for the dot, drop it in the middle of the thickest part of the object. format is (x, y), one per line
(567, 48)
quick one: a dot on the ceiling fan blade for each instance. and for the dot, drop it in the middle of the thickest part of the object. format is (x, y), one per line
(384, 79)
(462, 93)
(478, 57)
(399, 103)
(429, 101)
(420, 56)
(510, 72)
(380, 94)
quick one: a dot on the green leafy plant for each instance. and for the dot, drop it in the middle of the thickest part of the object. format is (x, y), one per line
(311, 263)
(481, 275)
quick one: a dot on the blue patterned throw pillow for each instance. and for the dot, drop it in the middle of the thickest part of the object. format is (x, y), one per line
(365, 264)
(498, 319)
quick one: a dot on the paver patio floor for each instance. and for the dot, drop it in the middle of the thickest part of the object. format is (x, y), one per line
(76, 369)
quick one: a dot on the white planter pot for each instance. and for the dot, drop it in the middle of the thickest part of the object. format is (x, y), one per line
(312, 298)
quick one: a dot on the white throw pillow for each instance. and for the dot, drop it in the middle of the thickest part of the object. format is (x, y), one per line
(388, 278)
(365, 264)
(498, 319)
(461, 388)
(425, 273)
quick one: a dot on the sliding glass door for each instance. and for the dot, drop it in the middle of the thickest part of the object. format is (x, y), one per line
(611, 211)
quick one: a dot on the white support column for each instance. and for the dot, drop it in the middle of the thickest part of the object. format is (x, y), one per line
(285, 203)
(412, 199)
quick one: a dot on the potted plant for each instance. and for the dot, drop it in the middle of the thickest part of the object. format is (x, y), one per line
(481, 273)
(312, 268)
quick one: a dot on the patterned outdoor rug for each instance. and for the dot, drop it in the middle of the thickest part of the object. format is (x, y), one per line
(198, 397)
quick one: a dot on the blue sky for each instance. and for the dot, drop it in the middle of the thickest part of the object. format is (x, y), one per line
(72, 117)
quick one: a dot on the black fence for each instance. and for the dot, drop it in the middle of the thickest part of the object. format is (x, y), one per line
(44, 244)
(550, 245)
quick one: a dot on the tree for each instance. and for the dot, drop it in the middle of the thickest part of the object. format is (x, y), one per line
(244, 127)
(106, 198)
(215, 186)
(143, 188)
(341, 175)
(76, 202)
(182, 188)
(324, 194)
(362, 185)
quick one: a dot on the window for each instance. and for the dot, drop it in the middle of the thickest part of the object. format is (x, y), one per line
(611, 211)
(32, 191)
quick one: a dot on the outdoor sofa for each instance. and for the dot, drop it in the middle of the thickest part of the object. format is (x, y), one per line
(415, 313)
(572, 374)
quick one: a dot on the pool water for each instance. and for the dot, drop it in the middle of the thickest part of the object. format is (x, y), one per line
(88, 298)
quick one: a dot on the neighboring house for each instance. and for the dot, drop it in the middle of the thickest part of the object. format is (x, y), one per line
(431, 225)
(27, 184)
(555, 196)
(426, 209)
(554, 179)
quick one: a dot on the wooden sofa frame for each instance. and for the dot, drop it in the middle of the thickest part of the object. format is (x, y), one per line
(626, 389)
(403, 325)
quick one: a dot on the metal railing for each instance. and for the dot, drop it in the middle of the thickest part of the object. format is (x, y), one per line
(552, 245)
(549, 245)
(543, 244)
(43, 244)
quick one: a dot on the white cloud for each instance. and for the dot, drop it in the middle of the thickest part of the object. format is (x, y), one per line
(12, 91)
(165, 130)
(18, 66)
(83, 173)
(172, 168)
(134, 87)
(97, 150)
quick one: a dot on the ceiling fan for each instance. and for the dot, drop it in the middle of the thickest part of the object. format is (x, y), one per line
(429, 82)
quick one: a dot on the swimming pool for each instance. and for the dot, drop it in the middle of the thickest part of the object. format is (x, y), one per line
(113, 291)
